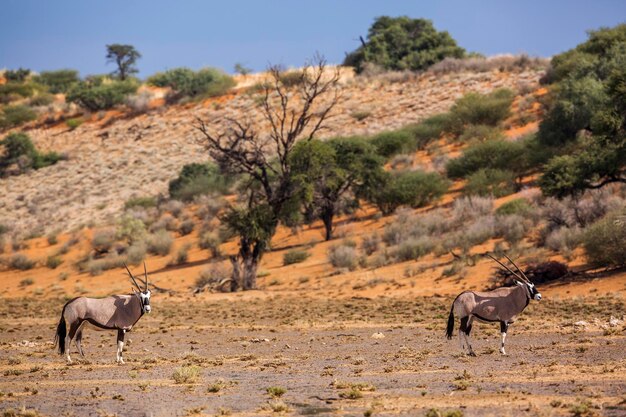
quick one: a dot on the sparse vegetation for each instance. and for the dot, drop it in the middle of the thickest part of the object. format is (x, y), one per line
(186, 374)
(184, 82)
(295, 256)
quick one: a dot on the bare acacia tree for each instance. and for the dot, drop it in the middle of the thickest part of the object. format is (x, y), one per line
(293, 109)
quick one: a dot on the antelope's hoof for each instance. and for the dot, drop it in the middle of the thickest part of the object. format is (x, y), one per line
(472, 354)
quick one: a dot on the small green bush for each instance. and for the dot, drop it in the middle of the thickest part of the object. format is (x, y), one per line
(295, 256)
(480, 133)
(415, 189)
(495, 182)
(207, 82)
(198, 179)
(74, 122)
(41, 99)
(59, 81)
(430, 129)
(291, 78)
(53, 261)
(605, 241)
(394, 142)
(518, 206)
(16, 115)
(19, 75)
(18, 148)
(100, 93)
(495, 154)
(186, 374)
(145, 202)
(478, 109)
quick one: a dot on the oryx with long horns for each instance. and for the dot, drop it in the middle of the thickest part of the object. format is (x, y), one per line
(501, 305)
(116, 312)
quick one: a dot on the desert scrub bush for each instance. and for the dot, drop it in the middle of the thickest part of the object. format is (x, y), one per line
(495, 182)
(103, 240)
(211, 240)
(159, 242)
(276, 392)
(413, 248)
(16, 115)
(144, 202)
(199, 179)
(605, 240)
(512, 227)
(370, 244)
(429, 129)
(59, 81)
(495, 154)
(111, 261)
(74, 122)
(41, 99)
(186, 374)
(186, 227)
(100, 93)
(20, 150)
(20, 262)
(215, 274)
(394, 142)
(480, 133)
(182, 255)
(343, 256)
(130, 229)
(564, 239)
(136, 252)
(53, 261)
(478, 109)
(467, 208)
(184, 82)
(519, 206)
(415, 189)
(295, 256)
(26, 282)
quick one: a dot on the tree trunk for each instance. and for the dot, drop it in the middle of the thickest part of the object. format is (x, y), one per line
(235, 282)
(327, 215)
(250, 266)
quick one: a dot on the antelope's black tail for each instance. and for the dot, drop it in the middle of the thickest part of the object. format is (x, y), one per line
(62, 330)
(450, 327)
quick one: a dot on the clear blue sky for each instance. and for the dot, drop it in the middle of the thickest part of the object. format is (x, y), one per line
(47, 34)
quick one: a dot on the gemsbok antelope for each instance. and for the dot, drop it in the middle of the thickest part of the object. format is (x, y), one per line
(501, 305)
(116, 312)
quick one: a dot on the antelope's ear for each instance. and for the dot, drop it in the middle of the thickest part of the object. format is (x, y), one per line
(518, 283)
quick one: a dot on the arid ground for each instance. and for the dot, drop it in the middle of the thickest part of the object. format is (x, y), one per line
(218, 355)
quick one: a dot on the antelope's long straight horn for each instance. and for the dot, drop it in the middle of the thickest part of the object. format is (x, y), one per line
(506, 267)
(145, 274)
(132, 277)
(518, 268)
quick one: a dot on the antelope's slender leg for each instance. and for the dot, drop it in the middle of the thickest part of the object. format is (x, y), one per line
(68, 340)
(467, 335)
(79, 338)
(462, 335)
(503, 328)
(120, 345)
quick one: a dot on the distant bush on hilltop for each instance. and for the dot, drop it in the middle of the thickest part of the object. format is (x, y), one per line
(188, 83)
(100, 92)
(403, 43)
(59, 81)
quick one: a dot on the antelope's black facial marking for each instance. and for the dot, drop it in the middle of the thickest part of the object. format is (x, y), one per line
(534, 294)
(144, 296)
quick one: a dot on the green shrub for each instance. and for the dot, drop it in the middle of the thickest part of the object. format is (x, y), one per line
(414, 248)
(100, 93)
(160, 243)
(53, 261)
(184, 82)
(415, 189)
(211, 240)
(494, 182)
(103, 240)
(430, 129)
(19, 75)
(478, 109)
(291, 78)
(198, 179)
(295, 256)
(18, 146)
(74, 122)
(186, 227)
(16, 115)
(41, 99)
(605, 241)
(15, 91)
(495, 154)
(518, 206)
(394, 142)
(131, 229)
(59, 81)
(144, 202)
(186, 374)
(480, 133)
